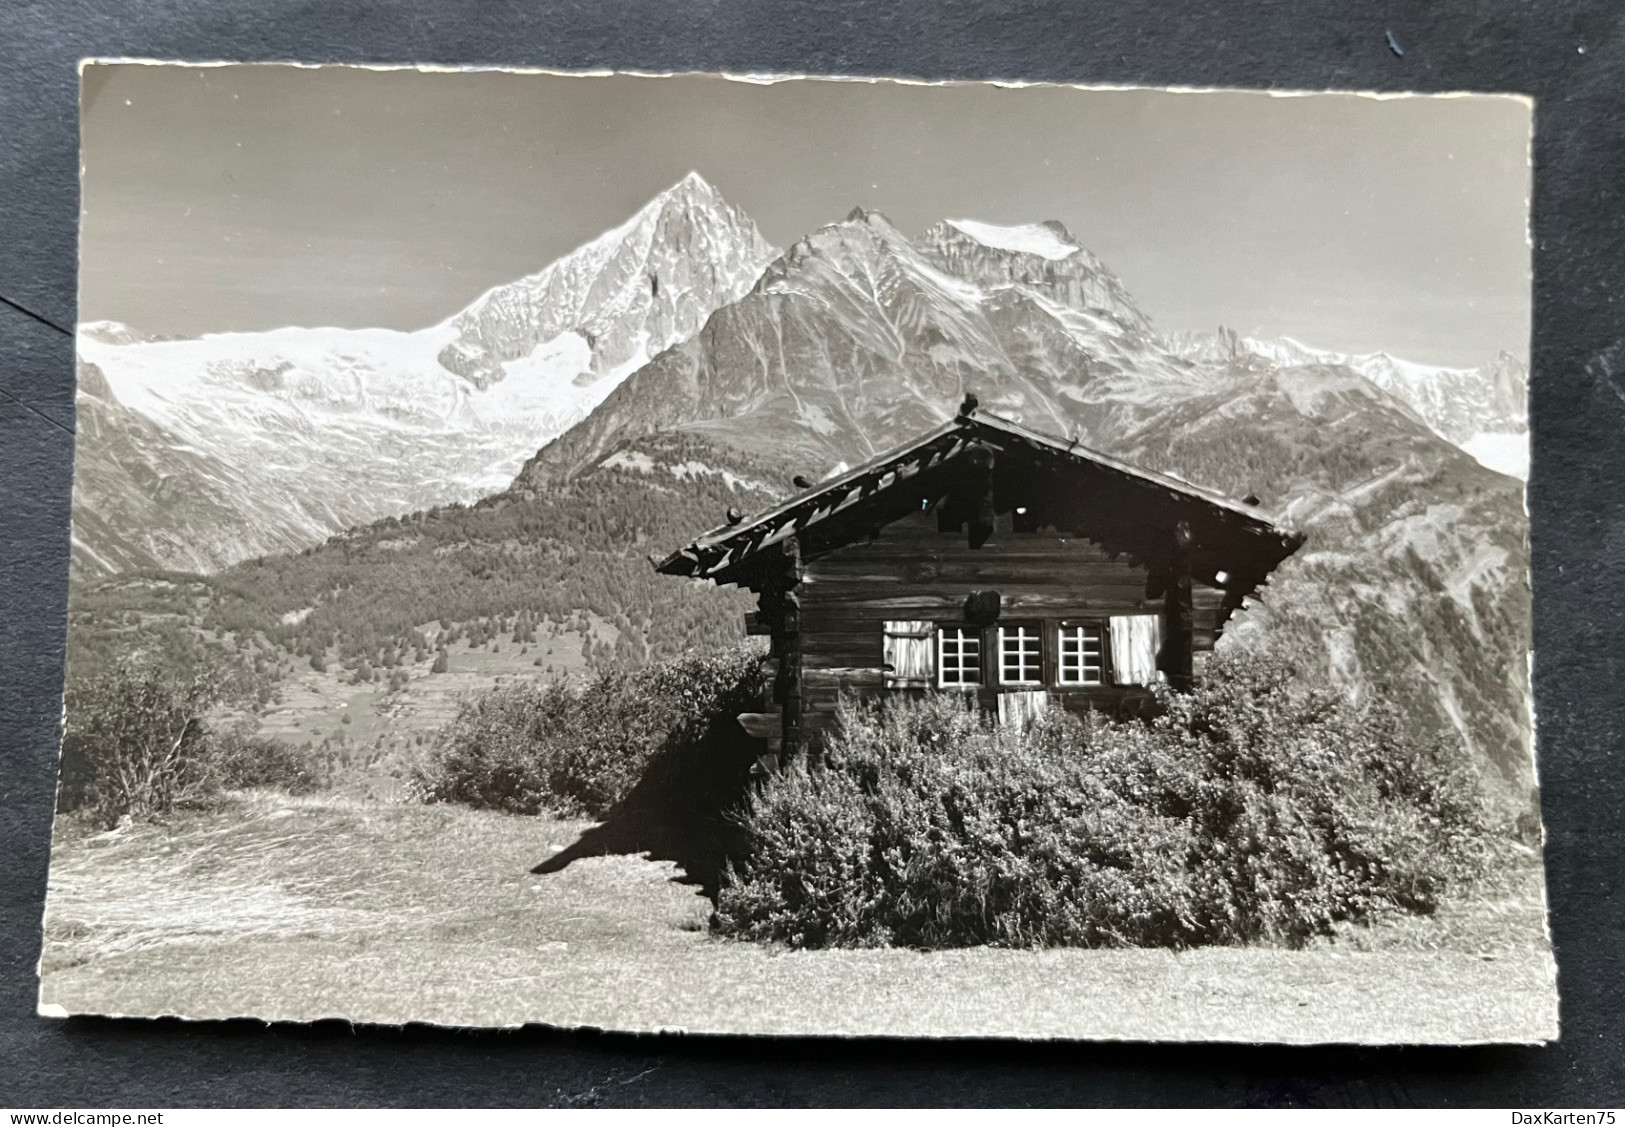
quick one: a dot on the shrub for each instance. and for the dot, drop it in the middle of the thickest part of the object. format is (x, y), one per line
(241, 760)
(1252, 810)
(138, 741)
(574, 750)
(134, 742)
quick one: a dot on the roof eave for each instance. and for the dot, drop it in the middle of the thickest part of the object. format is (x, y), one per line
(690, 561)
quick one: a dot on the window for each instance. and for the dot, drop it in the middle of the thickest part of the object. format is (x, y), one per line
(1082, 655)
(959, 657)
(1021, 655)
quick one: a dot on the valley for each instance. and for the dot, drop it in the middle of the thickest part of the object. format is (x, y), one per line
(372, 734)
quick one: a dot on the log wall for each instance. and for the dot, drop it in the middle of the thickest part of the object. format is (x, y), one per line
(910, 570)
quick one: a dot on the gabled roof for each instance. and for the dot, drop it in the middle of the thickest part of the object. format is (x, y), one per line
(722, 553)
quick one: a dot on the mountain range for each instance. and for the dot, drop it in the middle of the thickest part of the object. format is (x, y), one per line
(235, 445)
(1413, 581)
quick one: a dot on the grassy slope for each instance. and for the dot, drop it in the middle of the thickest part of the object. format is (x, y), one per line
(303, 909)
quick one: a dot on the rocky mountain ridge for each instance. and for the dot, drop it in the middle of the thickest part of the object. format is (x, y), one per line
(1483, 410)
(631, 292)
(857, 337)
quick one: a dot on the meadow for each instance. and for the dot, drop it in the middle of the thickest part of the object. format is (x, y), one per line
(334, 906)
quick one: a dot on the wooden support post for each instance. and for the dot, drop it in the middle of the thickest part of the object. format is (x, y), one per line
(1176, 660)
(787, 689)
(780, 611)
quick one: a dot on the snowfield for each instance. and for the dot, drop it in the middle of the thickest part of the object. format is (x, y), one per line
(1502, 452)
(1027, 238)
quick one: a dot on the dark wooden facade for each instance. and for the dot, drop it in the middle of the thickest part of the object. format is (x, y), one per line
(989, 560)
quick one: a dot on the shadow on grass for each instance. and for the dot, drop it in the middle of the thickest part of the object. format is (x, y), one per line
(679, 810)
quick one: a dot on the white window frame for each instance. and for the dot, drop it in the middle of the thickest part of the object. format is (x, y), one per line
(963, 635)
(1070, 638)
(1021, 634)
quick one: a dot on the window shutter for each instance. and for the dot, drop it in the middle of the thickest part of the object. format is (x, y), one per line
(910, 655)
(1018, 710)
(1136, 638)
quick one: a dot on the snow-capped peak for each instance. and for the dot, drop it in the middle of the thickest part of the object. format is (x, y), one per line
(630, 292)
(1042, 239)
(1040, 257)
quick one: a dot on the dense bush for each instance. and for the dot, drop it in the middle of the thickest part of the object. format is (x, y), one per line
(579, 749)
(138, 741)
(241, 760)
(1252, 810)
(134, 742)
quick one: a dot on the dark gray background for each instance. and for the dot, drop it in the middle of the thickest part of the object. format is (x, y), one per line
(1569, 56)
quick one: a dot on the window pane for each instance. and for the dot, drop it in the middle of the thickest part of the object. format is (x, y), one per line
(1020, 655)
(1081, 649)
(959, 657)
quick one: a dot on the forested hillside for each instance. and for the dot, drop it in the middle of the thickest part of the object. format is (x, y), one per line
(394, 593)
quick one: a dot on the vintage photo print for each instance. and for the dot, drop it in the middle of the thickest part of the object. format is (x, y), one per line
(800, 556)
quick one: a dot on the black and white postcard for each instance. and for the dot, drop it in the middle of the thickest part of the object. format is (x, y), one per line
(800, 556)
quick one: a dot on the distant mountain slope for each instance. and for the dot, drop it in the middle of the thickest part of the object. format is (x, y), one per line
(1467, 406)
(294, 434)
(1414, 579)
(387, 595)
(141, 497)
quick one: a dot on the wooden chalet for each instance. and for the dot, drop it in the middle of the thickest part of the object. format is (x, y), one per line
(988, 559)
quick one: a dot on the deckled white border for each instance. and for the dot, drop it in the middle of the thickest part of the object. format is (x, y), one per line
(770, 79)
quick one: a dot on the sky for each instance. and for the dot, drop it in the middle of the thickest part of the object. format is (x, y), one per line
(252, 197)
